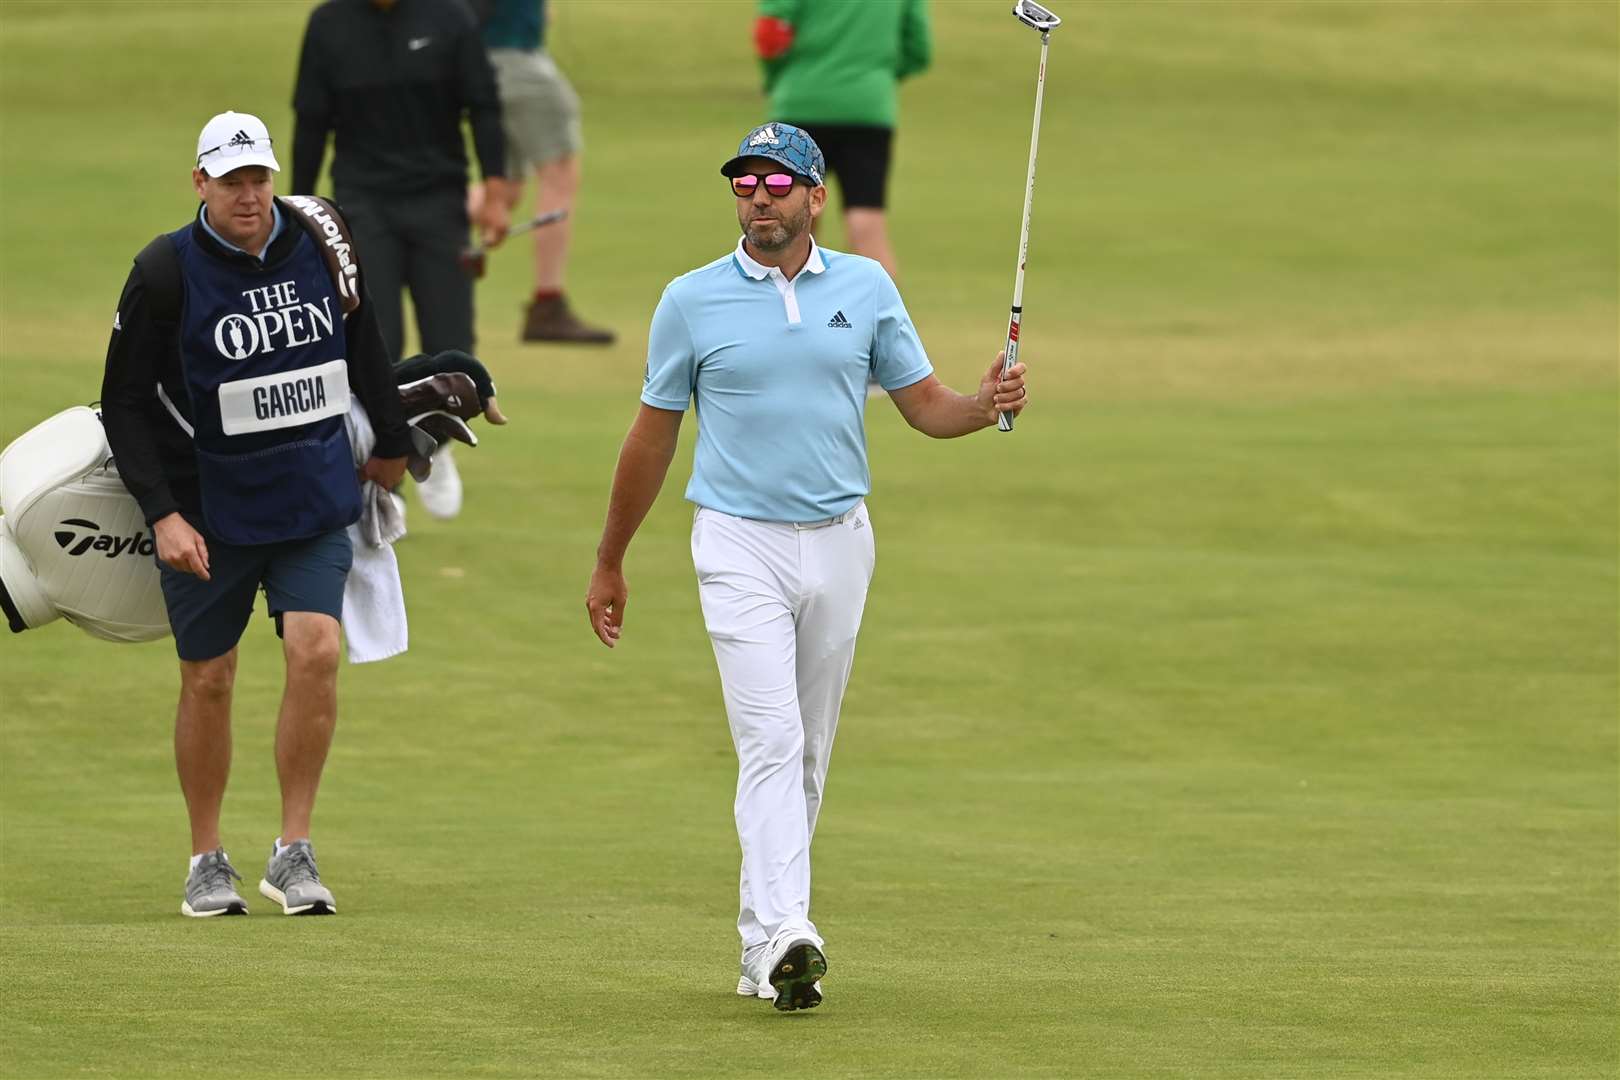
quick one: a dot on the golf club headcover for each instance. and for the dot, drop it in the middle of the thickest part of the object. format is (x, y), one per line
(453, 360)
(443, 427)
(73, 541)
(449, 391)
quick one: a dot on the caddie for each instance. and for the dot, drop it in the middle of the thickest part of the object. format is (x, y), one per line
(772, 345)
(224, 406)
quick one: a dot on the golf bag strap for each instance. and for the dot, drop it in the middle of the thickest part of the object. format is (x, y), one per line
(331, 234)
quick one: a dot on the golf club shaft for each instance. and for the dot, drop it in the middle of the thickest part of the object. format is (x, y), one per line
(533, 223)
(537, 221)
(1005, 421)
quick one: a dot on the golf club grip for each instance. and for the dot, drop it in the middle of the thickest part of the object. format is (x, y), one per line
(1004, 421)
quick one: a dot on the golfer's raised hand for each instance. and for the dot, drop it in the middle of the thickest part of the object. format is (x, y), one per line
(1003, 392)
(604, 602)
(180, 546)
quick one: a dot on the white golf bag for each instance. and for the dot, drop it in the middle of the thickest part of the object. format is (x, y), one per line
(73, 541)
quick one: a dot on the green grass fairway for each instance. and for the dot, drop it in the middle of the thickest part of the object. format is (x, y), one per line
(1250, 712)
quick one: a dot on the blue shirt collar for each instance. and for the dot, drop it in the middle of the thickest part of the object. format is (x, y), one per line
(275, 230)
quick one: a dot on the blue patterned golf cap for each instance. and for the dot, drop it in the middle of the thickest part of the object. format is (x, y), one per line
(788, 146)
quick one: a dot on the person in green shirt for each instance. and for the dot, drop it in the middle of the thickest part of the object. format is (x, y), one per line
(833, 68)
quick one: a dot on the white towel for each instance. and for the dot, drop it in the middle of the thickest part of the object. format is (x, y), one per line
(373, 596)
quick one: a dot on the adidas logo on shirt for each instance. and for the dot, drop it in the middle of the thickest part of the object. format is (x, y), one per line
(840, 322)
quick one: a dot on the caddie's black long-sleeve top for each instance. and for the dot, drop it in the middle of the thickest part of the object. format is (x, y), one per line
(156, 458)
(392, 85)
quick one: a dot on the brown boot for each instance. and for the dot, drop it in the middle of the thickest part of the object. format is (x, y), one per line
(551, 320)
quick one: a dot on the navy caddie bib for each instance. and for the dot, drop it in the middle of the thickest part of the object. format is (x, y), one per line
(264, 358)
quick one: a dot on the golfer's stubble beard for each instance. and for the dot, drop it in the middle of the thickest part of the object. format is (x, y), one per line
(778, 234)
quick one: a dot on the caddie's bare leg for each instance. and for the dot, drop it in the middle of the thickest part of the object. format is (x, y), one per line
(310, 642)
(202, 743)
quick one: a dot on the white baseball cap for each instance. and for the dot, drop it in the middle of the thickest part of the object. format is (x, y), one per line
(232, 140)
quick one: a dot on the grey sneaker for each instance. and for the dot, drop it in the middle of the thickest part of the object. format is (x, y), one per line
(209, 890)
(793, 966)
(291, 880)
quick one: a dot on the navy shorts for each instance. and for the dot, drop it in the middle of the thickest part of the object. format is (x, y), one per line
(208, 617)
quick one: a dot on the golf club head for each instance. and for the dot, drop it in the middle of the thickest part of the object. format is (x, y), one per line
(1033, 15)
(419, 461)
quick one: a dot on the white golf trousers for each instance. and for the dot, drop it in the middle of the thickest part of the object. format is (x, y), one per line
(783, 605)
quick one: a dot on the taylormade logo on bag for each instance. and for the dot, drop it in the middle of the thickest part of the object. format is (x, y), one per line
(277, 320)
(334, 240)
(77, 536)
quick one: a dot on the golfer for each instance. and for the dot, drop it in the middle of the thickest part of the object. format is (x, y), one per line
(775, 342)
(224, 406)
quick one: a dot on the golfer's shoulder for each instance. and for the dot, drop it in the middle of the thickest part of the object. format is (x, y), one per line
(704, 279)
(846, 264)
(857, 272)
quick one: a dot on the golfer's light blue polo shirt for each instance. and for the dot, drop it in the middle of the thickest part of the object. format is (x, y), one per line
(778, 370)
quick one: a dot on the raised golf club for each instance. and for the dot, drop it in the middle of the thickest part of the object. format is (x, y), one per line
(1035, 16)
(473, 259)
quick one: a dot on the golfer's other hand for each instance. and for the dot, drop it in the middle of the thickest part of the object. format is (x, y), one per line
(180, 546)
(604, 602)
(1003, 392)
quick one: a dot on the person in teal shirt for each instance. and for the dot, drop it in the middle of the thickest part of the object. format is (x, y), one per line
(540, 113)
(833, 68)
(771, 345)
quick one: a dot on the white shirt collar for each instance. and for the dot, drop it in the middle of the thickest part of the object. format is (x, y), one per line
(759, 272)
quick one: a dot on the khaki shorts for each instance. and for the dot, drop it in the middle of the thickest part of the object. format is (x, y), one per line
(539, 110)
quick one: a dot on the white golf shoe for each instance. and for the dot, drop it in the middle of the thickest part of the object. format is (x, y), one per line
(786, 972)
(752, 982)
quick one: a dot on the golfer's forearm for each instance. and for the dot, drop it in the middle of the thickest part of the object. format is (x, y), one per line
(945, 414)
(643, 464)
